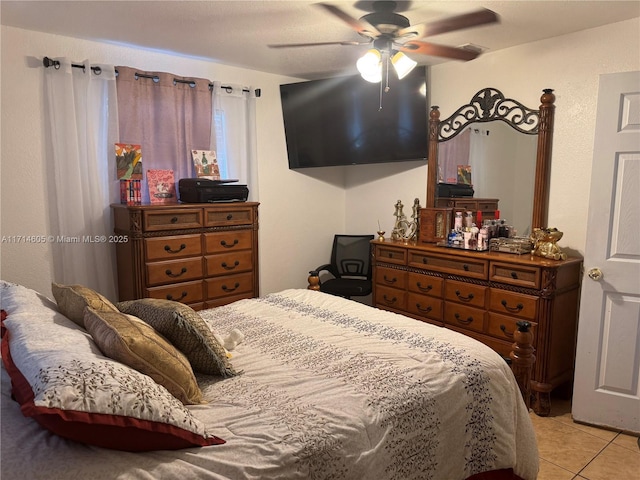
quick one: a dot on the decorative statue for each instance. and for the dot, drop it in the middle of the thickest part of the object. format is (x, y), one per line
(400, 223)
(544, 243)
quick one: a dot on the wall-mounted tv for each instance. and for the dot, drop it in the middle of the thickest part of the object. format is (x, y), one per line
(338, 121)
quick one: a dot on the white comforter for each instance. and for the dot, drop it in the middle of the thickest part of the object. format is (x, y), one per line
(330, 389)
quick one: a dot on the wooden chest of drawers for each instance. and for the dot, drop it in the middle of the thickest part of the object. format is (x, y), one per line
(483, 295)
(204, 255)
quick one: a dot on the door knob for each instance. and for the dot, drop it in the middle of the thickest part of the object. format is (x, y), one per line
(595, 273)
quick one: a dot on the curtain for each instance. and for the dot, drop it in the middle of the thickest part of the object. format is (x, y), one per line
(479, 161)
(168, 116)
(234, 139)
(452, 153)
(82, 127)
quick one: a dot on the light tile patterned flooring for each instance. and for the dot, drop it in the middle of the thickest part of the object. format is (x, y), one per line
(572, 451)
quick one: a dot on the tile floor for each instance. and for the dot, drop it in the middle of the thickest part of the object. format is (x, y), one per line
(571, 451)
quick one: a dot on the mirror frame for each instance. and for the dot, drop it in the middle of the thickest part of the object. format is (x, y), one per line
(487, 105)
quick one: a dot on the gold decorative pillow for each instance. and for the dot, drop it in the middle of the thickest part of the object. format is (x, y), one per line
(72, 299)
(186, 330)
(131, 341)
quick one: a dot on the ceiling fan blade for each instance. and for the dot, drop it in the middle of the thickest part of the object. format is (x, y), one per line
(316, 44)
(424, 48)
(361, 26)
(458, 22)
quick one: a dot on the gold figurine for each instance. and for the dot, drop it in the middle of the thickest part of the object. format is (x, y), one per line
(544, 243)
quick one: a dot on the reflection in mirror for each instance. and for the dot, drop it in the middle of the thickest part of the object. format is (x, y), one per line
(502, 162)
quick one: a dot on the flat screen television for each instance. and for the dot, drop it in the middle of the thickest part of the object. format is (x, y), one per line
(338, 121)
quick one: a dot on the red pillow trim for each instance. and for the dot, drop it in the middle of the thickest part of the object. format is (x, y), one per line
(116, 432)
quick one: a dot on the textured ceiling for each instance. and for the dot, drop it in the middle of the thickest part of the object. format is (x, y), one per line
(239, 32)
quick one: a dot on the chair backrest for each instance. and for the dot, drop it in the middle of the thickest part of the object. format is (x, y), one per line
(351, 255)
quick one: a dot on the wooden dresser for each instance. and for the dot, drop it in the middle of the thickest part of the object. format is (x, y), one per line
(483, 295)
(204, 255)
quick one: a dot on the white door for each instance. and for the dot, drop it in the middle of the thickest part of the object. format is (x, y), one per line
(607, 378)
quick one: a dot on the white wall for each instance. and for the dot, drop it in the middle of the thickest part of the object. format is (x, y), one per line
(298, 213)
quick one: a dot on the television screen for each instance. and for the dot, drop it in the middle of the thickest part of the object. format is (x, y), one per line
(338, 121)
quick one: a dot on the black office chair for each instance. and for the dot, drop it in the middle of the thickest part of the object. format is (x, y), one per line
(350, 266)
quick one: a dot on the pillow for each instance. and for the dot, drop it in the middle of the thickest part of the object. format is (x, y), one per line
(186, 330)
(61, 382)
(72, 299)
(131, 341)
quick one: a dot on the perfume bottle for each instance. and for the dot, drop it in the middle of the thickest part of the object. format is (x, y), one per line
(457, 223)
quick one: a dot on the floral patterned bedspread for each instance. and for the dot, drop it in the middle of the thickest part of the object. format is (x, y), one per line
(330, 389)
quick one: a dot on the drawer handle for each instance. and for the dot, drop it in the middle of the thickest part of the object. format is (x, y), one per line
(174, 220)
(516, 309)
(424, 289)
(464, 322)
(170, 297)
(230, 216)
(424, 260)
(504, 330)
(228, 289)
(464, 299)
(390, 280)
(169, 273)
(169, 250)
(226, 245)
(514, 275)
(465, 267)
(389, 300)
(227, 267)
(424, 310)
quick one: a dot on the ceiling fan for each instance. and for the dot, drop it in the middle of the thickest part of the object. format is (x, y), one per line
(391, 33)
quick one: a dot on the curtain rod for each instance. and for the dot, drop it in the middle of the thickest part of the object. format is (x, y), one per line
(47, 62)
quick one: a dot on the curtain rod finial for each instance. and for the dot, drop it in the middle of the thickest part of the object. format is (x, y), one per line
(47, 62)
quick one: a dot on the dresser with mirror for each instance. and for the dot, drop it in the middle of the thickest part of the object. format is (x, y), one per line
(483, 294)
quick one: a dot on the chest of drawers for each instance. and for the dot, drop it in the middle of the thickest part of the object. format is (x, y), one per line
(204, 255)
(483, 295)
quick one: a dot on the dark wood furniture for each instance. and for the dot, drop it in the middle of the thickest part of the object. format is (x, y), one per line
(486, 206)
(484, 295)
(204, 255)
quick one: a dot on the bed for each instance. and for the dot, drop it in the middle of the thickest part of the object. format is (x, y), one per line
(321, 388)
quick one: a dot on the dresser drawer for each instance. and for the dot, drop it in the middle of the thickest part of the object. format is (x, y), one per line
(164, 248)
(227, 241)
(466, 293)
(468, 267)
(425, 306)
(229, 285)
(187, 292)
(391, 277)
(391, 297)
(228, 216)
(390, 254)
(154, 220)
(520, 275)
(425, 284)
(488, 206)
(462, 316)
(226, 263)
(172, 271)
(510, 303)
(503, 326)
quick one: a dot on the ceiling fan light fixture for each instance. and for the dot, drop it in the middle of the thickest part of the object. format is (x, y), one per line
(402, 64)
(370, 66)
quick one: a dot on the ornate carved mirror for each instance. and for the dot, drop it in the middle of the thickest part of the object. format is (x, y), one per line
(490, 105)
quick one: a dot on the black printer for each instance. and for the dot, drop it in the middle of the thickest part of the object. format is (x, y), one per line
(204, 190)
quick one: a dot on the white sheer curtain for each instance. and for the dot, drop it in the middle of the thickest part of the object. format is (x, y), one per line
(234, 125)
(479, 161)
(82, 126)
